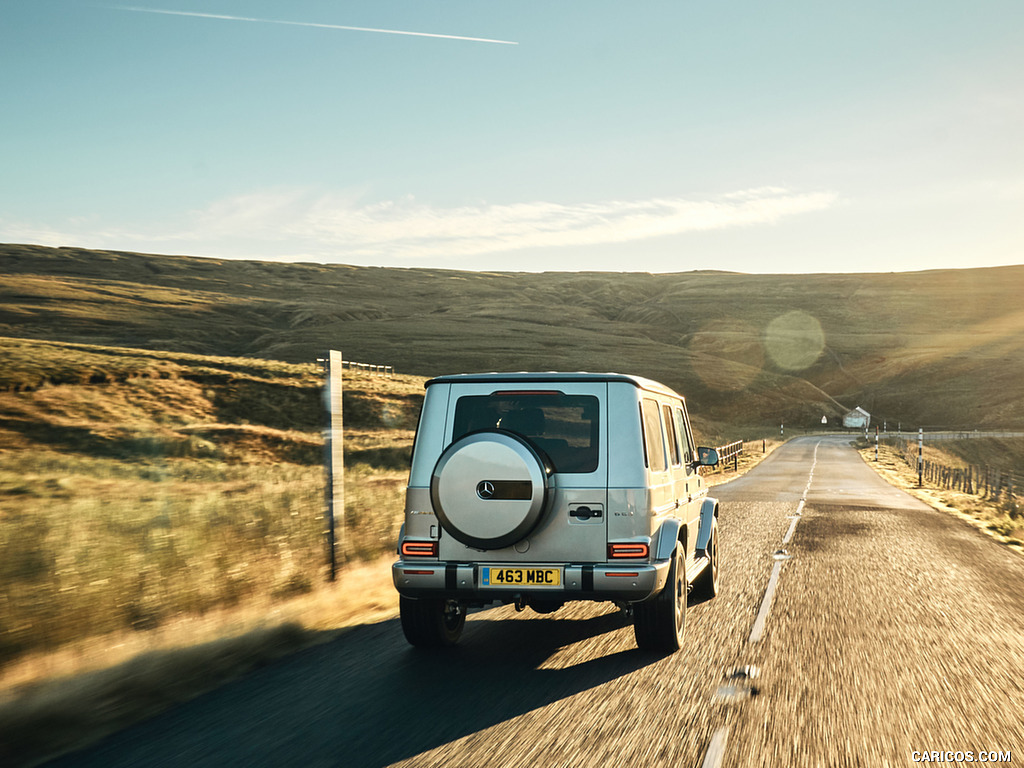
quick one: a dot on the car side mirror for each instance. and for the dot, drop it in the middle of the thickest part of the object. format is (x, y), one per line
(707, 457)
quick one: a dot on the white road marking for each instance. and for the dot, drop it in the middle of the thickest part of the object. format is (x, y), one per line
(734, 693)
(716, 749)
(766, 604)
(757, 632)
(789, 534)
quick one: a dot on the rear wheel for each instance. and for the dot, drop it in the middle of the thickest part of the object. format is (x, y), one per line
(658, 624)
(432, 622)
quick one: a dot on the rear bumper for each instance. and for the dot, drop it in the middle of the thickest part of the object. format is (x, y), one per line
(598, 582)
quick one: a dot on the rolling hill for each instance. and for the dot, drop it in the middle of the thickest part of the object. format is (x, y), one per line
(938, 348)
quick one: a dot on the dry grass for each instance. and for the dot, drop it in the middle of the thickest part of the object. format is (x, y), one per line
(132, 496)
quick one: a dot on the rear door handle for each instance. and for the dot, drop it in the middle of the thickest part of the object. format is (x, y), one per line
(586, 513)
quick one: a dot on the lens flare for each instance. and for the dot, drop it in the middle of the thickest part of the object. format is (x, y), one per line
(794, 341)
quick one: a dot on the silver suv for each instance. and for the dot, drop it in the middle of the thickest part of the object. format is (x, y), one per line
(540, 488)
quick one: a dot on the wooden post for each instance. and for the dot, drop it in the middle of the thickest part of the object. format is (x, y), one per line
(920, 457)
(334, 463)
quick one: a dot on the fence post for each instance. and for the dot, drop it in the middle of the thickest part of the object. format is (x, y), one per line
(920, 457)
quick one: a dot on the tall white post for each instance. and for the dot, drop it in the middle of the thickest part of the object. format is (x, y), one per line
(334, 463)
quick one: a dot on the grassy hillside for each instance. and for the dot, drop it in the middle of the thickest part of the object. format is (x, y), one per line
(136, 485)
(942, 348)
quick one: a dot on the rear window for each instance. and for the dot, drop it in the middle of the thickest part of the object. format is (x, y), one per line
(565, 427)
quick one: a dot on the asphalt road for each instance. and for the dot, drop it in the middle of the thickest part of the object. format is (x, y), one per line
(868, 631)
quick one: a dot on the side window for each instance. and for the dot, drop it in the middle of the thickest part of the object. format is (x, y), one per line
(672, 435)
(653, 436)
(683, 441)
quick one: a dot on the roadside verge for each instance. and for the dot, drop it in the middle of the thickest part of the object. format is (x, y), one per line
(989, 519)
(55, 703)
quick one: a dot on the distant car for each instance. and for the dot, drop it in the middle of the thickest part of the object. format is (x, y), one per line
(540, 488)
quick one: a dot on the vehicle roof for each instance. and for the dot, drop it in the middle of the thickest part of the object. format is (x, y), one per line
(553, 377)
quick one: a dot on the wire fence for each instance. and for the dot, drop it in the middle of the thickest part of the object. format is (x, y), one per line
(998, 485)
(387, 371)
(951, 435)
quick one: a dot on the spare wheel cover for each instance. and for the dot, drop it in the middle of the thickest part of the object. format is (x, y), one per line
(489, 489)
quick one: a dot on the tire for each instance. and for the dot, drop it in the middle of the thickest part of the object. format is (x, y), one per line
(658, 624)
(706, 586)
(489, 489)
(431, 623)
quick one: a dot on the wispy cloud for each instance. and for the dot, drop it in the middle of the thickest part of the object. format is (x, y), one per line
(334, 228)
(165, 12)
(408, 229)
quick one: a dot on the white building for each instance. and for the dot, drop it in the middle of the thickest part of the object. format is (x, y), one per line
(858, 418)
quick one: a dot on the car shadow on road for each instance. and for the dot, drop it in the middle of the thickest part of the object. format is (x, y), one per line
(367, 699)
(502, 669)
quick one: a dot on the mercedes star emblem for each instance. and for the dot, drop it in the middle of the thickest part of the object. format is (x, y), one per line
(485, 489)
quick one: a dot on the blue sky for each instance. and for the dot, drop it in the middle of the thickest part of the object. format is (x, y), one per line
(652, 136)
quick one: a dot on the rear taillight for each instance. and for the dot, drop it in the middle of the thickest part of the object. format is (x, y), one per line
(630, 550)
(419, 549)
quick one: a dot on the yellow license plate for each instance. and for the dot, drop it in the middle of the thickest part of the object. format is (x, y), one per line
(491, 576)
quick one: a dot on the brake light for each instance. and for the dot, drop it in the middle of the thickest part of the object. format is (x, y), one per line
(524, 392)
(630, 550)
(419, 549)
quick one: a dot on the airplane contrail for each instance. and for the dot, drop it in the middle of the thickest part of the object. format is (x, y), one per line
(308, 24)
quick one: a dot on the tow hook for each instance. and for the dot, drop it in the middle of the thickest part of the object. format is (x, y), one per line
(520, 604)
